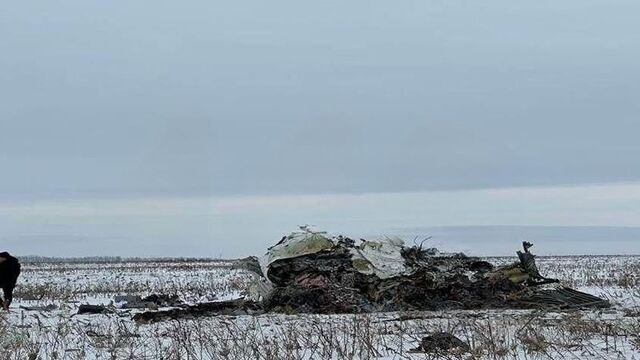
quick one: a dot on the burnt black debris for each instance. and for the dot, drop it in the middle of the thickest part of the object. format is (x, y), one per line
(153, 301)
(232, 307)
(442, 343)
(85, 309)
(563, 298)
(327, 282)
(312, 272)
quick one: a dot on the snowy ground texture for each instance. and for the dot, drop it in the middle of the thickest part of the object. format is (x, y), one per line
(57, 333)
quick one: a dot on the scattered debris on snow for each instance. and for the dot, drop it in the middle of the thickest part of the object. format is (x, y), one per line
(442, 343)
(232, 307)
(313, 272)
(45, 308)
(94, 309)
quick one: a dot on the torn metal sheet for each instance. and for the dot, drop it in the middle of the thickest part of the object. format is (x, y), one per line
(381, 257)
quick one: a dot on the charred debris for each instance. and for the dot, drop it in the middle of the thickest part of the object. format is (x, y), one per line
(312, 272)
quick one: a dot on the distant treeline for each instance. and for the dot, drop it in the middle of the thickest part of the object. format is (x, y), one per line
(34, 259)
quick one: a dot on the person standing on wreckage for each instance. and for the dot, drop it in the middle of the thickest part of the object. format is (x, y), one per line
(9, 272)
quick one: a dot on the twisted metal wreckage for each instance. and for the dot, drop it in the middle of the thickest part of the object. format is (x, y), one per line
(313, 272)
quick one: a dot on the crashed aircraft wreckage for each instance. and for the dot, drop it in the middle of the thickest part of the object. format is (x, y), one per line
(313, 272)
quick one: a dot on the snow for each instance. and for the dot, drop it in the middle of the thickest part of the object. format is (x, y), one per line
(59, 333)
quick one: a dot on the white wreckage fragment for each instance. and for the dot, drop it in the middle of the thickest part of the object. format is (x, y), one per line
(382, 257)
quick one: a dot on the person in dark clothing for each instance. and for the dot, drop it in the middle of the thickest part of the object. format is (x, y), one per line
(9, 272)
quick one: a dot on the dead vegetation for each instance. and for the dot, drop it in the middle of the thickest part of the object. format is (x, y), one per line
(491, 334)
(49, 329)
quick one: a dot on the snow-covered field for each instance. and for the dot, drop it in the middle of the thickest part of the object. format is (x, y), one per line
(42, 322)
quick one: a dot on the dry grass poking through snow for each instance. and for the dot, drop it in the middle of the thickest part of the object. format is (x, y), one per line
(59, 334)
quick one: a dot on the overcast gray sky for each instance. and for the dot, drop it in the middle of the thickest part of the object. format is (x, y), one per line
(205, 99)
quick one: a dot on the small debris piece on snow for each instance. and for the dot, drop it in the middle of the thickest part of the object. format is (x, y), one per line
(250, 263)
(127, 298)
(93, 309)
(441, 343)
(49, 307)
(153, 301)
(564, 298)
(232, 307)
(163, 300)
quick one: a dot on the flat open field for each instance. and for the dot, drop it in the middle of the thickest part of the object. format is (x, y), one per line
(42, 322)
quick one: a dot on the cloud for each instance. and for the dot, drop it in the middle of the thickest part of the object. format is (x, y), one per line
(240, 225)
(210, 100)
